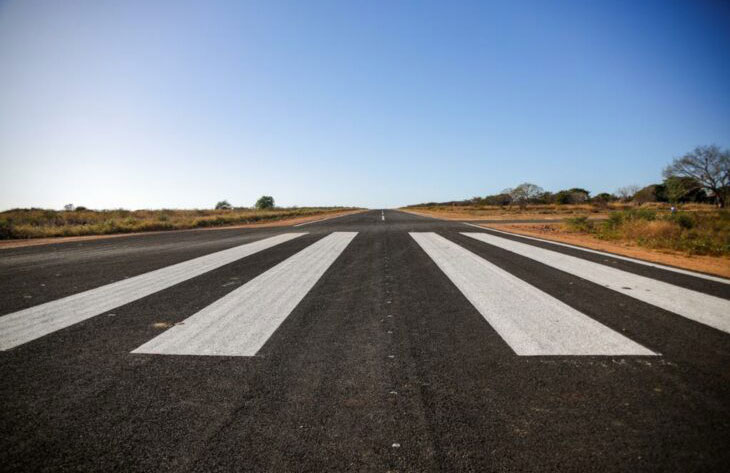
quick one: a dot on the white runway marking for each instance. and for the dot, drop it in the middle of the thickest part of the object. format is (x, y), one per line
(28, 324)
(612, 255)
(382, 215)
(702, 308)
(529, 320)
(240, 323)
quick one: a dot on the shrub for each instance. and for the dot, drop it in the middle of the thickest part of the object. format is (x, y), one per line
(684, 220)
(639, 214)
(650, 232)
(6, 229)
(695, 233)
(615, 219)
(579, 224)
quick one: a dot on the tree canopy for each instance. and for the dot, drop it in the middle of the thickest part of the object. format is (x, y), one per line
(265, 202)
(525, 192)
(709, 166)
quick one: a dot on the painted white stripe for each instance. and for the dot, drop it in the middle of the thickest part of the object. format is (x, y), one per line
(529, 320)
(240, 323)
(703, 308)
(28, 324)
(612, 255)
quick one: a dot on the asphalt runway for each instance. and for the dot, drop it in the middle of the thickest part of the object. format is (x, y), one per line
(380, 341)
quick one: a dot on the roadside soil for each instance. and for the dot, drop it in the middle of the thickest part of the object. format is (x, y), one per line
(277, 223)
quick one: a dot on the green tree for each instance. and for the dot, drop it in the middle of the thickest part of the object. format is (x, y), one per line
(223, 205)
(498, 199)
(579, 196)
(604, 197)
(677, 188)
(575, 195)
(602, 200)
(563, 197)
(265, 202)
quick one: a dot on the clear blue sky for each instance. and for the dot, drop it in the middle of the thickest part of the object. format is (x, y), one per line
(148, 104)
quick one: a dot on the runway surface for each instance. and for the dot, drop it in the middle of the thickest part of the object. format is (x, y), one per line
(380, 341)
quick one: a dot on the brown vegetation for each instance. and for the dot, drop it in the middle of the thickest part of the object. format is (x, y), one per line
(719, 266)
(695, 233)
(541, 211)
(41, 223)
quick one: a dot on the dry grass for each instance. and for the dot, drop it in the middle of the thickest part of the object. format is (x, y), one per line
(695, 233)
(656, 230)
(41, 223)
(541, 211)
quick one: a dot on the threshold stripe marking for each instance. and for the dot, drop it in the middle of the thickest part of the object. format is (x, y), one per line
(239, 323)
(611, 255)
(529, 320)
(29, 324)
(703, 308)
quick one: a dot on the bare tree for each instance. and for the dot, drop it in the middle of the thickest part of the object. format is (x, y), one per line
(525, 192)
(708, 165)
(626, 193)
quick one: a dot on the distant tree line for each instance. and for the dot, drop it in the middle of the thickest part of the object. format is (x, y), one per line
(528, 193)
(264, 202)
(701, 176)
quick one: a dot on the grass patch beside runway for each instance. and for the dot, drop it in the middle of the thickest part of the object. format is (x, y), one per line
(694, 233)
(693, 241)
(544, 211)
(42, 223)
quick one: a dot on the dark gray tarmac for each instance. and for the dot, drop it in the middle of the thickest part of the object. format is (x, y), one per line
(383, 366)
